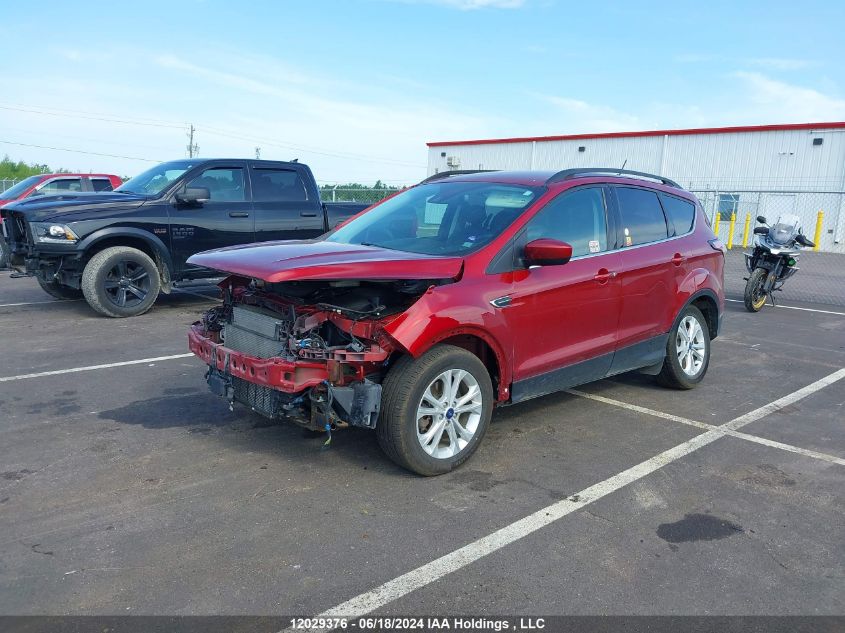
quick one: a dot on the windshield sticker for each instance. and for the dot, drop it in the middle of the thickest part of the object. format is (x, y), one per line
(594, 246)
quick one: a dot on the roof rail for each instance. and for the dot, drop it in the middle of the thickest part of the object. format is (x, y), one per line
(582, 172)
(457, 172)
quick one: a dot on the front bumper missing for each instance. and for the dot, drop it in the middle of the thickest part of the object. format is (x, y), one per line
(278, 388)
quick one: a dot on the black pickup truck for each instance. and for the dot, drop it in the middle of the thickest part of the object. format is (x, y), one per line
(120, 249)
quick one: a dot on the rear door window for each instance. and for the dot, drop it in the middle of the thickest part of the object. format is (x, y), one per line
(680, 213)
(278, 185)
(576, 217)
(642, 216)
(101, 184)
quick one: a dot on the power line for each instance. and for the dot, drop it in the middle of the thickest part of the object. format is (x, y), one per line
(79, 151)
(92, 118)
(107, 118)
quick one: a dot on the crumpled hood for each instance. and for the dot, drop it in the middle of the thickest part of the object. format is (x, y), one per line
(64, 206)
(301, 260)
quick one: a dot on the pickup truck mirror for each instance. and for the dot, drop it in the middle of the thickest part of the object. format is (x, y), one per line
(547, 252)
(193, 195)
(761, 219)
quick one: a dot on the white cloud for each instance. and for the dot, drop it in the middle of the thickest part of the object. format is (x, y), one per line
(770, 101)
(781, 63)
(582, 116)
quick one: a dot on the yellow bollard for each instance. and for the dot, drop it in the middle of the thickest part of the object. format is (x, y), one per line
(746, 230)
(817, 236)
(716, 222)
(731, 228)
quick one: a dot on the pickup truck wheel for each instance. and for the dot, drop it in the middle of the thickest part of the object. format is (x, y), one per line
(121, 282)
(59, 291)
(4, 253)
(435, 410)
(687, 351)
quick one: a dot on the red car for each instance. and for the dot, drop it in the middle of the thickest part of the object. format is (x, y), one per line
(468, 291)
(52, 184)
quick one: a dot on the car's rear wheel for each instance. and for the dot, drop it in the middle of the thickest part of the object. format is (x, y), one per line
(121, 282)
(755, 297)
(4, 253)
(687, 351)
(436, 409)
(59, 291)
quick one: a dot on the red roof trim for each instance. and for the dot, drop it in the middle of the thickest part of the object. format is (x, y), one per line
(703, 130)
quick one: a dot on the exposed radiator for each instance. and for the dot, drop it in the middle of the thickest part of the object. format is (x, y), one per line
(255, 331)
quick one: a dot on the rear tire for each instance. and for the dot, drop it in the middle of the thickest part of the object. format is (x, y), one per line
(687, 351)
(5, 254)
(454, 386)
(121, 282)
(754, 297)
(59, 291)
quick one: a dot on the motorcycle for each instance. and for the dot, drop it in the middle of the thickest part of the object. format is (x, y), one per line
(773, 260)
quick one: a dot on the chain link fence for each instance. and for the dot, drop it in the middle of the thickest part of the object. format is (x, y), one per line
(821, 278)
(352, 194)
(7, 183)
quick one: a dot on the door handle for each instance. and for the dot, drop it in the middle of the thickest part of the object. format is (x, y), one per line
(308, 214)
(604, 275)
(238, 214)
(678, 259)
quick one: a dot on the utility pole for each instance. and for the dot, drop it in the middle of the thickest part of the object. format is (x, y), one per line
(192, 148)
(257, 153)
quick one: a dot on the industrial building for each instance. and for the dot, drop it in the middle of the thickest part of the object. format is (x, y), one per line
(737, 172)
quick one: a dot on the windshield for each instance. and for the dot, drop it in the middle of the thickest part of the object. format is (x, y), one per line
(14, 191)
(440, 218)
(155, 180)
(785, 228)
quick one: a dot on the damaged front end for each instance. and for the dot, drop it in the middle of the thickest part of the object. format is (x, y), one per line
(314, 352)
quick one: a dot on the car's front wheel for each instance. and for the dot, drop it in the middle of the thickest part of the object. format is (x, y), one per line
(687, 351)
(121, 282)
(436, 409)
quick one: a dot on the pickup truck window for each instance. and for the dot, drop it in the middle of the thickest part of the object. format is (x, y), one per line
(101, 184)
(59, 185)
(440, 218)
(223, 183)
(277, 185)
(155, 180)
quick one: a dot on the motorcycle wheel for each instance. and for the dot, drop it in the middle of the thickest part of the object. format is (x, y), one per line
(755, 297)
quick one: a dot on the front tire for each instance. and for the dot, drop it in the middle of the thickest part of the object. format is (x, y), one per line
(121, 282)
(687, 351)
(435, 411)
(755, 297)
(59, 291)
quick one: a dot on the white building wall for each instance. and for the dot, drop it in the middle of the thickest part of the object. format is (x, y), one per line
(743, 162)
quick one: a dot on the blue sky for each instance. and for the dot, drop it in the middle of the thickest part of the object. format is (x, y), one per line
(355, 88)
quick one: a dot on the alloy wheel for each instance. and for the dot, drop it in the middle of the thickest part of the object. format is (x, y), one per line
(449, 413)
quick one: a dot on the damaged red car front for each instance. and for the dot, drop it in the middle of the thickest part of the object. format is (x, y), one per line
(308, 337)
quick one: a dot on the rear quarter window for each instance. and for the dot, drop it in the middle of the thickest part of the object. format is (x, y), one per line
(642, 216)
(680, 213)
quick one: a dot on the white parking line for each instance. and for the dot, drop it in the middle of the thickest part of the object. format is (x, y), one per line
(426, 574)
(713, 427)
(73, 370)
(37, 303)
(796, 308)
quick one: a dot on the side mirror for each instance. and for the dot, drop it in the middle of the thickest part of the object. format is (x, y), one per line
(760, 230)
(761, 219)
(547, 252)
(193, 195)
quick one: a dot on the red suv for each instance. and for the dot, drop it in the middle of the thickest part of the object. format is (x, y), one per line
(470, 290)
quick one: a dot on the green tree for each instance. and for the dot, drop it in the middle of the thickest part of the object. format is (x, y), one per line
(11, 170)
